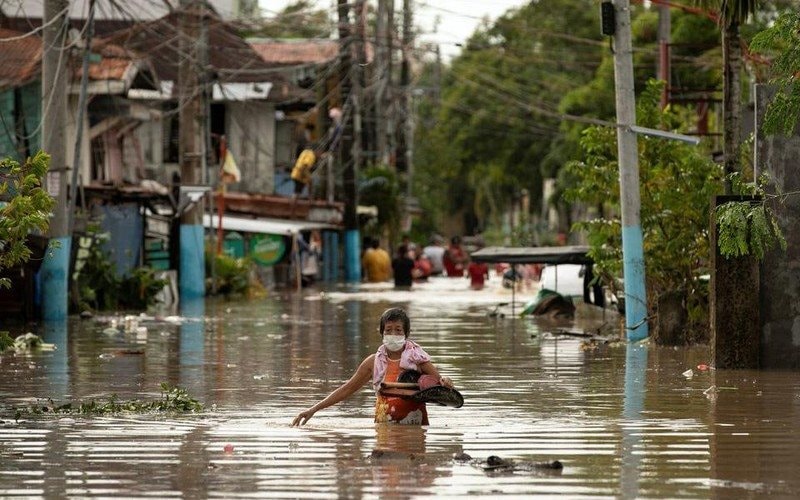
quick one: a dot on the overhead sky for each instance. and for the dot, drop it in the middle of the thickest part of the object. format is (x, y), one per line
(446, 22)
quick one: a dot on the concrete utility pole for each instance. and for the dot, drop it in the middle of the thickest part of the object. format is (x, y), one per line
(352, 243)
(381, 57)
(405, 125)
(190, 102)
(366, 145)
(633, 254)
(76, 157)
(55, 268)
(390, 107)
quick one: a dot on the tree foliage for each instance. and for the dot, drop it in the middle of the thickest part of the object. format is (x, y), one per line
(379, 186)
(782, 42)
(677, 184)
(26, 209)
(748, 227)
(301, 19)
(97, 286)
(494, 125)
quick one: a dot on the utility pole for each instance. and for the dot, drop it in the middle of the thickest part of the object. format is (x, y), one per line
(352, 243)
(76, 157)
(366, 145)
(190, 113)
(405, 150)
(403, 157)
(379, 105)
(633, 254)
(55, 268)
(390, 108)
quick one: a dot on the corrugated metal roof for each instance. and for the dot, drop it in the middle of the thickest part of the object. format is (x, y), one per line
(293, 52)
(230, 56)
(20, 58)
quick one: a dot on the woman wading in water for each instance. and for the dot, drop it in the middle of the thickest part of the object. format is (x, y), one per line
(396, 355)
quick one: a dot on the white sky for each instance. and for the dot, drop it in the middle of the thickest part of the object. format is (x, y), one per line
(457, 19)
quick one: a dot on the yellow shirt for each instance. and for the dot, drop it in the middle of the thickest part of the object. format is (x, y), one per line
(302, 167)
(377, 265)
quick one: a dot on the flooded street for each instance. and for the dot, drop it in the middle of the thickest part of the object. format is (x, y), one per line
(623, 421)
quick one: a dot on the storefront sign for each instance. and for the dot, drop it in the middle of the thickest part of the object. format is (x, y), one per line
(267, 249)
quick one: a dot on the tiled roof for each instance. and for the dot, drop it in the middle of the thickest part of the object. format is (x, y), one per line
(20, 58)
(293, 52)
(230, 56)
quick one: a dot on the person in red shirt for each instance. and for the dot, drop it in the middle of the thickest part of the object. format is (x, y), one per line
(455, 258)
(478, 273)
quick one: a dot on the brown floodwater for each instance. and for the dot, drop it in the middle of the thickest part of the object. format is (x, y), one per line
(623, 420)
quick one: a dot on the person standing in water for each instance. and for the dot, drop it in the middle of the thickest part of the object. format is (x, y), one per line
(396, 354)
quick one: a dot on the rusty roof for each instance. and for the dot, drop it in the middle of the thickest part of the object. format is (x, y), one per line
(20, 55)
(231, 58)
(294, 52)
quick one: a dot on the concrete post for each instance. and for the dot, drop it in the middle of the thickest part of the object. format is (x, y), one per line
(55, 268)
(633, 253)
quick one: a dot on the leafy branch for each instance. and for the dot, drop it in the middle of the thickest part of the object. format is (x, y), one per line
(782, 41)
(749, 227)
(26, 209)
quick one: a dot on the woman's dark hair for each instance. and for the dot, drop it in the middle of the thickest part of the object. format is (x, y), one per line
(396, 314)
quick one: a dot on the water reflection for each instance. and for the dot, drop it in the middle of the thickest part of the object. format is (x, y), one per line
(191, 342)
(624, 422)
(57, 370)
(633, 407)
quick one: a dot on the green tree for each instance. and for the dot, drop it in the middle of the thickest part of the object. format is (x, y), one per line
(732, 14)
(380, 187)
(24, 208)
(677, 184)
(497, 118)
(781, 41)
(301, 19)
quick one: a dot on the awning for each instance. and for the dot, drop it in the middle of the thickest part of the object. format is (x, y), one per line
(263, 226)
(533, 255)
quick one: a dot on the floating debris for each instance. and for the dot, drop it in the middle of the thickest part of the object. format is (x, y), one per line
(173, 400)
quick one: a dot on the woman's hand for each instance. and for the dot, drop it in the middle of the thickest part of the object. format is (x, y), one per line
(303, 417)
(446, 382)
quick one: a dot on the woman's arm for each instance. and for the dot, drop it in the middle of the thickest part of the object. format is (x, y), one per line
(429, 368)
(356, 382)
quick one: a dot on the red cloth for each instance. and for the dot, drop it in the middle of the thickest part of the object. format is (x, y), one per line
(398, 410)
(454, 259)
(478, 272)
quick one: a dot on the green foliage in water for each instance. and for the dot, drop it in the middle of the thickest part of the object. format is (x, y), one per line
(26, 210)
(748, 227)
(98, 287)
(173, 400)
(6, 341)
(23, 343)
(232, 274)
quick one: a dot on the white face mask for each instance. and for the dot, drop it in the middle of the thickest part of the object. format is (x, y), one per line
(394, 342)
